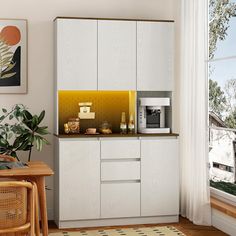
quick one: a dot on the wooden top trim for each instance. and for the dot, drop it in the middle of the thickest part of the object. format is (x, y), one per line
(118, 19)
(114, 135)
(224, 207)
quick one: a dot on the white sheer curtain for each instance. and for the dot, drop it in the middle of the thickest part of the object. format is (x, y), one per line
(195, 202)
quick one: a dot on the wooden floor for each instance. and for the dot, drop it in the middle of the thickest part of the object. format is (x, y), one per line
(184, 225)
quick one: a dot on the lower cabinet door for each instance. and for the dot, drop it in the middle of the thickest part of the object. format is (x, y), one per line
(120, 200)
(160, 177)
(79, 179)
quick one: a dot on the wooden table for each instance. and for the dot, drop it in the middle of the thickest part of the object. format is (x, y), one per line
(36, 171)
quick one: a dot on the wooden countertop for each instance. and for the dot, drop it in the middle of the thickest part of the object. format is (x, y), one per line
(35, 168)
(114, 135)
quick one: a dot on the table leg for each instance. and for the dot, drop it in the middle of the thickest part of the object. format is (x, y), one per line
(40, 180)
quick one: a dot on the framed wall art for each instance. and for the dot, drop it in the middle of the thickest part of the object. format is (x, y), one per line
(13, 56)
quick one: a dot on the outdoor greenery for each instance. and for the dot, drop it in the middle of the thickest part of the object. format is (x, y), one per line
(222, 101)
(220, 12)
(224, 186)
(217, 99)
(230, 120)
(20, 131)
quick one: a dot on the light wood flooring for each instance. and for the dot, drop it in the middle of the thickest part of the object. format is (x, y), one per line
(184, 225)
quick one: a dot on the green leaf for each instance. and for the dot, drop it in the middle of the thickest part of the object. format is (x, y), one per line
(40, 144)
(37, 143)
(45, 141)
(3, 142)
(35, 122)
(2, 118)
(42, 130)
(41, 117)
(27, 115)
(4, 110)
(24, 146)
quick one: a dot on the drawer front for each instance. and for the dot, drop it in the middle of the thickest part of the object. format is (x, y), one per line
(120, 149)
(120, 200)
(121, 170)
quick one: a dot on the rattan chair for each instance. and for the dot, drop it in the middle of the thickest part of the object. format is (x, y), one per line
(18, 208)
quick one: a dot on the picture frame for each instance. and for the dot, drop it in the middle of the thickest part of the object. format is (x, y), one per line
(13, 60)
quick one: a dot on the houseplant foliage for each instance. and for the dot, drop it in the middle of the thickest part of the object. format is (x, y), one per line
(20, 131)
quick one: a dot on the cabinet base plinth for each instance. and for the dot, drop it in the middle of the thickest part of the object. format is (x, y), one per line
(117, 221)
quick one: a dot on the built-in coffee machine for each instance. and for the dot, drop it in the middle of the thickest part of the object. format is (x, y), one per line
(151, 115)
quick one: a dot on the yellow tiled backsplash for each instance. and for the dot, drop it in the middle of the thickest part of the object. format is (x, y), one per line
(107, 106)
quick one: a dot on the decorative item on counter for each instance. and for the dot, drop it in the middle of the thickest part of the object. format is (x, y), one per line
(131, 128)
(123, 125)
(66, 128)
(91, 131)
(105, 128)
(84, 112)
(73, 125)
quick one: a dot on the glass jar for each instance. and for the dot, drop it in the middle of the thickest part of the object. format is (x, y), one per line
(105, 128)
(73, 125)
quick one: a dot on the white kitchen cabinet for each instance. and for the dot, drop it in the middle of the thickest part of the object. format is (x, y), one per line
(76, 54)
(79, 179)
(155, 56)
(116, 55)
(159, 177)
(120, 200)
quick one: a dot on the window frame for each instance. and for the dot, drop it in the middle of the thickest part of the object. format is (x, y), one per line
(223, 196)
(214, 192)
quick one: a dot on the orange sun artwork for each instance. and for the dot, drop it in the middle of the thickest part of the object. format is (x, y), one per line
(13, 55)
(11, 35)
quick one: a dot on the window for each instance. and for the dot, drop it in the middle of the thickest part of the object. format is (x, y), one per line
(222, 95)
(223, 167)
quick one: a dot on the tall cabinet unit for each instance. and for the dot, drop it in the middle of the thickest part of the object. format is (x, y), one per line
(117, 179)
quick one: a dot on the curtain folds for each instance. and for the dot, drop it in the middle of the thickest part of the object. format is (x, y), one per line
(195, 200)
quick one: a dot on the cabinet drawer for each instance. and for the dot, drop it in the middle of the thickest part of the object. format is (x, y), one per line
(121, 170)
(118, 149)
(120, 200)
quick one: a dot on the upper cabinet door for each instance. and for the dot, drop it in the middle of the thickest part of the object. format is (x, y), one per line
(155, 56)
(76, 54)
(116, 55)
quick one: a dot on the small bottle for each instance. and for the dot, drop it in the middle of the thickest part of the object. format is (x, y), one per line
(123, 125)
(131, 124)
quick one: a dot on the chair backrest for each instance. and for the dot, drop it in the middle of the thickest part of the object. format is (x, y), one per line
(13, 204)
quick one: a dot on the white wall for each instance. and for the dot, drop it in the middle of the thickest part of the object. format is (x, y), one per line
(40, 15)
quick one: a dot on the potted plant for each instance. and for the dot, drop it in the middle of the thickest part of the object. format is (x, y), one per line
(21, 131)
